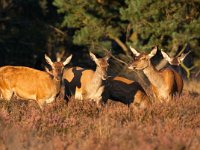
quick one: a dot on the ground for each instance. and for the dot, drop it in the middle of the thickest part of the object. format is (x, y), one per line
(82, 125)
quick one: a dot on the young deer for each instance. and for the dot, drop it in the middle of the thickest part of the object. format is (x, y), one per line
(126, 91)
(85, 83)
(29, 83)
(164, 83)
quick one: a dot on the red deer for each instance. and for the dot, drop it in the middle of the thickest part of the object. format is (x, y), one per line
(164, 83)
(86, 83)
(174, 60)
(126, 91)
(29, 83)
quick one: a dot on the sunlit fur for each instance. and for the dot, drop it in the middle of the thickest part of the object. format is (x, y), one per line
(165, 83)
(126, 91)
(28, 83)
(86, 83)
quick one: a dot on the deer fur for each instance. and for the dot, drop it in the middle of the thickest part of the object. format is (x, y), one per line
(28, 83)
(86, 83)
(126, 91)
(164, 83)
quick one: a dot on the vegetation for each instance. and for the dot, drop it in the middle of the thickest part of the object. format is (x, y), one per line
(30, 28)
(81, 125)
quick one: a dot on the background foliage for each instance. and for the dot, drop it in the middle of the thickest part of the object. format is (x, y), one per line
(30, 28)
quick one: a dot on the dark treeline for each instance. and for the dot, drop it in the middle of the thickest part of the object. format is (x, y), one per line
(30, 28)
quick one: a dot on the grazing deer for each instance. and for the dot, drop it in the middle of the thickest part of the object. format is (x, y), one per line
(29, 83)
(85, 83)
(164, 83)
(126, 91)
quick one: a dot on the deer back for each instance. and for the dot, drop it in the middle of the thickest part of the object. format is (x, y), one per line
(126, 91)
(76, 77)
(26, 82)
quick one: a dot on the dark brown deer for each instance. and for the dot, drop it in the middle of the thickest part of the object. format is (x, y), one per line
(126, 91)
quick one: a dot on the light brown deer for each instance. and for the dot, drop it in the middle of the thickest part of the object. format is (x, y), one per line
(28, 83)
(164, 83)
(126, 91)
(86, 83)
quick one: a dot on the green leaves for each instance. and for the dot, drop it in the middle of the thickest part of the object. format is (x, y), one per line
(153, 22)
(91, 21)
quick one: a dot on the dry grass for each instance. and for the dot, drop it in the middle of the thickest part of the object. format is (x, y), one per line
(81, 125)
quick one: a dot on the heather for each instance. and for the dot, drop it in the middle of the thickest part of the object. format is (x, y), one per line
(83, 125)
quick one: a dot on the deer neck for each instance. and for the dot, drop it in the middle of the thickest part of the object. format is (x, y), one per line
(95, 84)
(97, 78)
(58, 84)
(153, 75)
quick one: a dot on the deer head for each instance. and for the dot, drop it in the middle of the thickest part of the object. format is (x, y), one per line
(141, 60)
(102, 64)
(57, 67)
(174, 60)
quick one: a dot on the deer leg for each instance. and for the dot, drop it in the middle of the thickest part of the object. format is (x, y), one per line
(78, 94)
(6, 94)
(50, 100)
(41, 103)
(98, 95)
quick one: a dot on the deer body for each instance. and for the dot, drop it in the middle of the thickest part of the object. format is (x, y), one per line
(164, 83)
(126, 91)
(86, 83)
(19, 81)
(29, 83)
(83, 83)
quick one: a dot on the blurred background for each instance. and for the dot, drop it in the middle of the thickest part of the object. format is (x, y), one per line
(31, 28)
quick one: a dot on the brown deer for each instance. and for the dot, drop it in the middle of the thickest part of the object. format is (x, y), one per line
(174, 60)
(86, 83)
(164, 83)
(126, 91)
(29, 83)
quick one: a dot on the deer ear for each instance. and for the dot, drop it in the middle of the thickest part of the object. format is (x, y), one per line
(182, 57)
(68, 59)
(153, 52)
(165, 56)
(47, 70)
(48, 60)
(93, 57)
(134, 51)
(108, 55)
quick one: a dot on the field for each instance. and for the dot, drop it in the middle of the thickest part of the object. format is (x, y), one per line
(81, 125)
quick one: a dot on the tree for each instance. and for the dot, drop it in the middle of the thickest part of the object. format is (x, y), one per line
(94, 23)
(169, 24)
(25, 30)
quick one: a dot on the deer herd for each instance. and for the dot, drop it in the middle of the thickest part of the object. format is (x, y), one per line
(86, 84)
